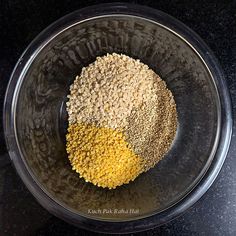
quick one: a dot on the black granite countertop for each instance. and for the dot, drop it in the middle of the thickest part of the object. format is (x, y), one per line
(21, 21)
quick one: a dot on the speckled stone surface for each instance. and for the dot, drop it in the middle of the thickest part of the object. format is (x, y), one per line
(21, 21)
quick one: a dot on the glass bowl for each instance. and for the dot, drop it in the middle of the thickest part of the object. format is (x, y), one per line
(36, 120)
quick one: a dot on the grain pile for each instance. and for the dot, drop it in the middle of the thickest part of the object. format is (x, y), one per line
(102, 155)
(122, 120)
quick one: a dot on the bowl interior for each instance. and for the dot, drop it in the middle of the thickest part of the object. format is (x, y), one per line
(41, 119)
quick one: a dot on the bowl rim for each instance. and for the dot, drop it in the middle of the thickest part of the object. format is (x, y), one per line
(167, 22)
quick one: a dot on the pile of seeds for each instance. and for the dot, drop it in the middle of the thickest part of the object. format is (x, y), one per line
(108, 90)
(122, 120)
(151, 129)
(101, 155)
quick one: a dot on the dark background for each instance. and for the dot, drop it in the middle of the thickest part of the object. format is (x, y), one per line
(22, 20)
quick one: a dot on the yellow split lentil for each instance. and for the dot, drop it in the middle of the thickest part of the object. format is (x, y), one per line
(102, 155)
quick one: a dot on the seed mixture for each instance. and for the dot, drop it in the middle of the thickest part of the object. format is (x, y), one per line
(152, 128)
(122, 120)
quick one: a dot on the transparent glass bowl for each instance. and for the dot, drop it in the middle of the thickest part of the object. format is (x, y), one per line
(36, 119)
